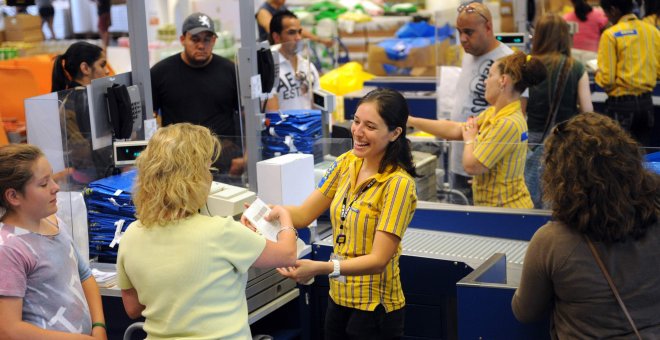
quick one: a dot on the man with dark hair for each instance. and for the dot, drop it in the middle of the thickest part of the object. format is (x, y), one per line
(264, 15)
(628, 68)
(298, 75)
(199, 87)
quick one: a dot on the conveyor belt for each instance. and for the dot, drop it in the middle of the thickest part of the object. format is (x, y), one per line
(471, 249)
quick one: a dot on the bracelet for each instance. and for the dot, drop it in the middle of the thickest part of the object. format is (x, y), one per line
(286, 228)
(99, 324)
(469, 142)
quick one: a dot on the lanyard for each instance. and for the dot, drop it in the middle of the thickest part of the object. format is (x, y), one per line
(344, 208)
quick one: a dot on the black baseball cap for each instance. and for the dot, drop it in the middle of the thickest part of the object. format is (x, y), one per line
(196, 23)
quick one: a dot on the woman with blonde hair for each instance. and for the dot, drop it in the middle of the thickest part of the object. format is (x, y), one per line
(496, 140)
(185, 272)
(605, 205)
(563, 94)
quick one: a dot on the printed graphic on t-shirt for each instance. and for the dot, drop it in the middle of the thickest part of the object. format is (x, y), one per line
(478, 88)
(290, 88)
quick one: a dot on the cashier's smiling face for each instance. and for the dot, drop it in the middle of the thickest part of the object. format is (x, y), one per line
(370, 133)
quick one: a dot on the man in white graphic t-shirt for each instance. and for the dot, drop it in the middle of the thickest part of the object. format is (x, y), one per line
(298, 77)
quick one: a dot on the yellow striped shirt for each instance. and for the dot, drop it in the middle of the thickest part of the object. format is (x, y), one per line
(501, 146)
(628, 57)
(652, 20)
(388, 205)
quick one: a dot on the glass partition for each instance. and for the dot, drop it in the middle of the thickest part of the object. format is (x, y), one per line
(58, 123)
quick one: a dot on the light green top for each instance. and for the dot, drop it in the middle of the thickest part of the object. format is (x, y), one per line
(191, 276)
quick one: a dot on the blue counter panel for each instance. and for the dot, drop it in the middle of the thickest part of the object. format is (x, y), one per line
(485, 313)
(511, 226)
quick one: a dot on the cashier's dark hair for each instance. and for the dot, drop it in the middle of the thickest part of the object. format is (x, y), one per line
(595, 181)
(393, 108)
(66, 67)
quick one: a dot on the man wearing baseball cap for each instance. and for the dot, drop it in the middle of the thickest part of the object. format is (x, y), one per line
(199, 87)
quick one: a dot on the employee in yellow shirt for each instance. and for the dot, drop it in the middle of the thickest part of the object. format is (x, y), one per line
(628, 68)
(370, 192)
(496, 140)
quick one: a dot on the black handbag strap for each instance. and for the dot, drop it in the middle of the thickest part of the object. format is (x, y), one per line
(612, 286)
(556, 95)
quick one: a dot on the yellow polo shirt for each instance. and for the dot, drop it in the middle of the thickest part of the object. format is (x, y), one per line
(652, 20)
(628, 57)
(501, 146)
(388, 205)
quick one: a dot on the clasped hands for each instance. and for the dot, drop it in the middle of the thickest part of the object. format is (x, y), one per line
(304, 270)
(470, 129)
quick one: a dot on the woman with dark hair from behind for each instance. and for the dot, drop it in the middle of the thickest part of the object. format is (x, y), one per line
(371, 194)
(600, 191)
(590, 21)
(566, 86)
(496, 140)
(78, 66)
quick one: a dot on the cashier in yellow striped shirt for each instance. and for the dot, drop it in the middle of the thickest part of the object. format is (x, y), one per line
(371, 194)
(496, 141)
(628, 68)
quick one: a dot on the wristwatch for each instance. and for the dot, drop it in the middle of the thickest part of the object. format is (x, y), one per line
(335, 269)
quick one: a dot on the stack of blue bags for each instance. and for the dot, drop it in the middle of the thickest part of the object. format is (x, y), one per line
(109, 211)
(291, 131)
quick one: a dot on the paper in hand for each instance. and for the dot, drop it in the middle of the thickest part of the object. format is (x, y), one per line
(256, 213)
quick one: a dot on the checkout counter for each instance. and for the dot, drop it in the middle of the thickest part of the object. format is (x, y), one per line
(444, 247)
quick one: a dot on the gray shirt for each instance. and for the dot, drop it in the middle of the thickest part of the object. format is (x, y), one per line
(47, 273)
(560, 276)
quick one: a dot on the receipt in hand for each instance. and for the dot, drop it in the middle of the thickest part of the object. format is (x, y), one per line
(256, 213)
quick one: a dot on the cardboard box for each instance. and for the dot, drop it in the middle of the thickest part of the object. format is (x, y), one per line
(507, 22)
(419, 62)
(2, 36)
(31, 35)
(22, 22)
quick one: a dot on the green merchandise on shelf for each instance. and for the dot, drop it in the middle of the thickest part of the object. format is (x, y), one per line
(326, 10)
(7, 53)
(402, 8)
(325, 6)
